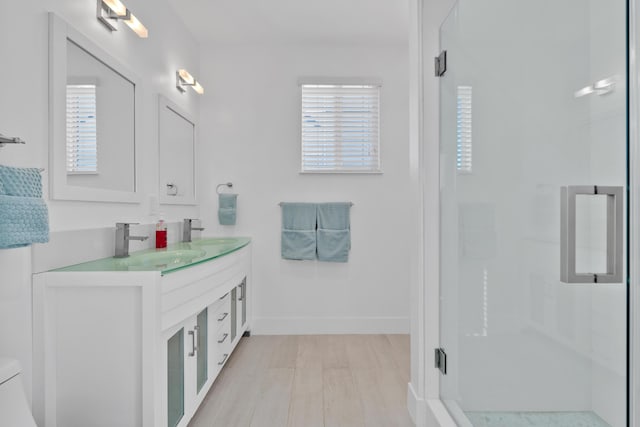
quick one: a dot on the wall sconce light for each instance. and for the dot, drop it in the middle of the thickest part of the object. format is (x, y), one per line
(183, 78)
(111, 11)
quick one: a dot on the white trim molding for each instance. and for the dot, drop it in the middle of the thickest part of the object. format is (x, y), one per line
(329, 325)
(634, 220)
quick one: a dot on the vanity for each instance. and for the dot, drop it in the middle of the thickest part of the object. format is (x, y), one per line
(138, 341)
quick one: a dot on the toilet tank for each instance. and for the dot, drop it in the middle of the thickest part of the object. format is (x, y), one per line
(14, 410)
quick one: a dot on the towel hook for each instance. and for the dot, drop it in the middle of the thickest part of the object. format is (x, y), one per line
(227, 184)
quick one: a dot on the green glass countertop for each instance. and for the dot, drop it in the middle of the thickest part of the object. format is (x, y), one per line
(175, 257)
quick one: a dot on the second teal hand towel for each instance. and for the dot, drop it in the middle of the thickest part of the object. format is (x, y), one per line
(298, 240)
(227, 206)
(334, 232)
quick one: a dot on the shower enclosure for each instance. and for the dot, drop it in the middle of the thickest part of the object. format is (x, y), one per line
(533, 159)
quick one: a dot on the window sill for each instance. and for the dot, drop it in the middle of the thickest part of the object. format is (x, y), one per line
(376, 172)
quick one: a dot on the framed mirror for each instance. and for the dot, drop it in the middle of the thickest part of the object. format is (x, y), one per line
(177, 146)
(94, 104)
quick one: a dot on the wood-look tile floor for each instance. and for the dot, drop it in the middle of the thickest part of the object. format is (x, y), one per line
(311, 380)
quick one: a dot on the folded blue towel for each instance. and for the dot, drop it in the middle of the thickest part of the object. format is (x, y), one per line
(23, 221)
(298, 231)
(299, 216)
(334, 216)
(24, 218)
(333, 245)
(298, 245)
(21, 182)
(227, 216)
(227, 208)
(334, 232)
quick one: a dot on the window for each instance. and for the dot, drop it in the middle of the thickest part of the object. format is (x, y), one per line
(82, 150)
(340, 128)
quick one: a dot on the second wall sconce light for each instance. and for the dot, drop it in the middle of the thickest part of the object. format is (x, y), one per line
(183, 78)
(111, 11)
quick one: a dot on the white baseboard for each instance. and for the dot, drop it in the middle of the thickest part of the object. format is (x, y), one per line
(429, 413)
(329, 325)
(415, 405)
(437, 414)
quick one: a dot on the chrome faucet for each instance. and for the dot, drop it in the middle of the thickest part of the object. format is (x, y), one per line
(123, 237)
(187, 229)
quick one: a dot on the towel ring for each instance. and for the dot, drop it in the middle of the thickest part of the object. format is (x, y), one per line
(226, 184)
(172, 189)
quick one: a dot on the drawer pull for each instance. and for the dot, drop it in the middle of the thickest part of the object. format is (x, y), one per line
(224, 337)
(224, 359)
(193, 343)
(243, 287)
(224, 296)
(224, 316)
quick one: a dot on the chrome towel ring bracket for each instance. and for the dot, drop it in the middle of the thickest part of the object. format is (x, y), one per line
(226, 184)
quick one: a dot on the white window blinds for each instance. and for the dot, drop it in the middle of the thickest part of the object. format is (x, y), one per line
(340, 128)
(464, 116)
(82, 150)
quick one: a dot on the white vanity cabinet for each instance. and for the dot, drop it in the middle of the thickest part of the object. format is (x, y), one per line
(131, 349)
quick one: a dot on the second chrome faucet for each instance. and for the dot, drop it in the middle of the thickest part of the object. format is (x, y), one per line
(187, 228)
(123, 238)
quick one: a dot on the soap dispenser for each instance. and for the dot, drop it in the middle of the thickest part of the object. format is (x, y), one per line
(161, 235)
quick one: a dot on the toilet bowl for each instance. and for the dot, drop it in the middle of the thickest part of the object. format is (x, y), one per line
(14, 410)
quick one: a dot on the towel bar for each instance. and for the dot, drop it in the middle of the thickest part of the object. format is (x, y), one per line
(281, 203)
(10, 140)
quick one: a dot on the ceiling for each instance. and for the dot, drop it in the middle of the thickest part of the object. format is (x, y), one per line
(296, 21)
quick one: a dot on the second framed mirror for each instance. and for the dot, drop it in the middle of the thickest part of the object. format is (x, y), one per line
(177, 147)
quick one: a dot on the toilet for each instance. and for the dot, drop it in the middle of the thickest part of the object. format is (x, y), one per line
(14, 410)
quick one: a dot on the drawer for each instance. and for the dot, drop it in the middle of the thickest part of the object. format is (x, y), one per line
(219, 304)
(222, 336)
(221, 320)
(223, 351)
(222, 358)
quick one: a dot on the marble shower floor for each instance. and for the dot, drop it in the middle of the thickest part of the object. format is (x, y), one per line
(535, 419)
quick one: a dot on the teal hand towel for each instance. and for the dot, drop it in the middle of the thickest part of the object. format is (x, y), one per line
(20, 182)
(334, 216)
(334, 232)
(23, 221)
(24, 218)
(227, 216)
(298, 241)
(299, 216)
(227, 208)
(298, 245)
(333, 245)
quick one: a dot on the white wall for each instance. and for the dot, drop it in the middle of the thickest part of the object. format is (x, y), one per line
(250, 124)
(23, 113)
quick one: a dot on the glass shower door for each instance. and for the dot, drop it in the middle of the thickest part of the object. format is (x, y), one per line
(533, 101)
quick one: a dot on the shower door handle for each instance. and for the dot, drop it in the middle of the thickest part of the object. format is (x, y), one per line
(568, 273)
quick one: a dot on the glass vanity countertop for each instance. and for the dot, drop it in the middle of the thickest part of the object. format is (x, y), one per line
(175, 257)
